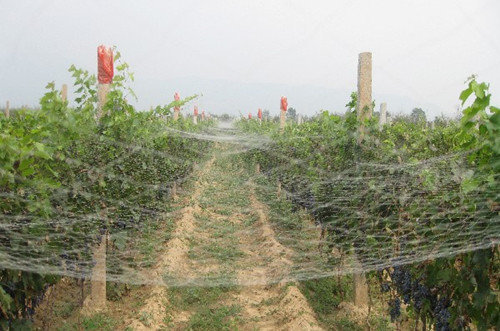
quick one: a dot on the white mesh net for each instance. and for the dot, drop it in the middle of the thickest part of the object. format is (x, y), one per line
(226, 222)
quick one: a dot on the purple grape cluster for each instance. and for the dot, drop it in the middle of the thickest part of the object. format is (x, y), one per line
(414, 291)
(402, 279)
(395, 310)
(442, 315)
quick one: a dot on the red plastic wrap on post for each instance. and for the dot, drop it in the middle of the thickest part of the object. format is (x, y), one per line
(195, 110)
(249, 116)
(259, 114)
(284, 103)
(104, 64)
(177, 97)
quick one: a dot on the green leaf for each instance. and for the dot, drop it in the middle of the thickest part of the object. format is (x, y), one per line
(5, 299)
(444, 275)
(478, 89)
(495, 119)
(465, 95)
(40, 151)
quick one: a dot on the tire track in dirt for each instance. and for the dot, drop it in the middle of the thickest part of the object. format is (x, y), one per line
(278, 306)
(152, 314)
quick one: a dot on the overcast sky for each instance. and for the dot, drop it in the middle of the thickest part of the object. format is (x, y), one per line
(245, 54)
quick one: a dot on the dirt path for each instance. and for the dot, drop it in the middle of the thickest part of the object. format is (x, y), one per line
(224, 267)
(174, 260)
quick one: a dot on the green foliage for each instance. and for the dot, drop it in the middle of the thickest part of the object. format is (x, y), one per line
(167, 109)
(222, 318)
(98, 322)
(418, 115)
(404, 183)
(253, 125)
(351, 105)
(66, 178)
(324, 294)
(291, 114)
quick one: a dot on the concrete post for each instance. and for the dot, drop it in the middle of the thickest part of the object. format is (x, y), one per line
(282, 119)
(360, 284)
(195, 115)
(102, 95)
(364, 111)
(364, 105)
(177, 110)
(383, 114)
(283, 107)
(96, 301)
(64, 92)
(105, 74)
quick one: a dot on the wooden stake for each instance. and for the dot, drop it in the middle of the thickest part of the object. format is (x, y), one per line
(7, 110)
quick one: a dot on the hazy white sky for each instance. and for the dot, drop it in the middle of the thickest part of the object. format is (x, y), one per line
(245, 54)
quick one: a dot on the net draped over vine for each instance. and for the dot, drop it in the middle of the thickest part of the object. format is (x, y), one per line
(188, 207)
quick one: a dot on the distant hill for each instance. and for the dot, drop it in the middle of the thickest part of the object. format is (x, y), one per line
(222, 96)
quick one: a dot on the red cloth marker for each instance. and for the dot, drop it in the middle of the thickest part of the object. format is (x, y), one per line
(259, 114)
(284, 103)
(104, 64)
(195, 110)
(249, 116)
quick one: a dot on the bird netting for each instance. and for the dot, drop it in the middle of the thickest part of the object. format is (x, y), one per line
(190, 208)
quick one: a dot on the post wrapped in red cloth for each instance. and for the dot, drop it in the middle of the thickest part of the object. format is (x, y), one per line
(104, 64)
(177, 97)
(284, 103)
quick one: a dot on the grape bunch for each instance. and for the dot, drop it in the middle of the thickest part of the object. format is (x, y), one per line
(385, 287)
(442, 315)
(395, 310)
(402, 279)
(415, 292)
(420, 293)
